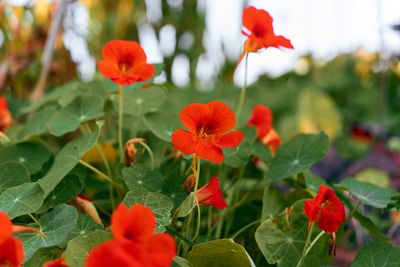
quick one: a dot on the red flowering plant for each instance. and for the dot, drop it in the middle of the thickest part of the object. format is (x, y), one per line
(123, 171)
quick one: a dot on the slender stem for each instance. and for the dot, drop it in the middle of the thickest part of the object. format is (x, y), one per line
(120, 122)
(100, 174)
(4, 137)
(303, 254)
(34, 219)
(245, 228)
(355, 208)
(197, 168)
(184, 239)
(242, 96)
(101, 153)
(314, 242)
(148, 149)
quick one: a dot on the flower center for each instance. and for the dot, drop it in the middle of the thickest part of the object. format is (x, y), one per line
(124, 66)
(205, 134)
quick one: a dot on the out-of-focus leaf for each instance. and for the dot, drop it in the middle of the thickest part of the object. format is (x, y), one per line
(42, 256)
(222, 253)
(298, 155)
(367, 193)
(142, 101)
(377, 254)
(81, 109)
(141, 177)
(13, 174)
(162, 124)
(22, 199)
(37, 125)
(187, 206)
(32, 155)
(56, 225)
(373, 176)
(66, 160)
(273, 203)
(317, 112)
(79, 247)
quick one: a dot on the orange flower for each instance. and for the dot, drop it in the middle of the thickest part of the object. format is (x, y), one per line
(134, 243)
(11, 248)
(262, 119)
(326, 209)
(207, 124)
(5, 115)
(210, 194)
(56, 263)
(125, 62)
(258, 28)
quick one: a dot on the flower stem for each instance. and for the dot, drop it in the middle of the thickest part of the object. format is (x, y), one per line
(148, 149)
(4, 137)
(303, 254)
(100, 173)
(242, 96)
(197, 173)
(120, 122)
(245, 228)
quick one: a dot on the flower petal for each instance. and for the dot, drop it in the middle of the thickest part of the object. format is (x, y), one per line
(253, 18)
(12, 251)
(161, 249)
(262, 119)
(210, 194)
(122, 50)
(230, 139)
(109, 69)
(194, 116)
(6, 226)
(134, 224)
(115, 253)
(183, 141)
(211, 153)
(220, 117)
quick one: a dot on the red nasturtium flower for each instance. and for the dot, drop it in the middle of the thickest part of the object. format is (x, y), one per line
(5, 115)
(11, 248)
(210, 194)
(326, 209)
(259, 31)
(56, 263)
(262, 119)
(125, 62)
(134, 243)
(208, 125)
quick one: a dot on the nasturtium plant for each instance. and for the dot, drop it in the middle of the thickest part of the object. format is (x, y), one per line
(128, 170)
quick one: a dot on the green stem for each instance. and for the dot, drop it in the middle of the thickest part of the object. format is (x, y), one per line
(303, 254)
(242, 96)
(148, 149)
(245, 228)
(35, 220)
(355, 208)
(100, 173)
(195, 196)
(184, 239)
(120, 123)
(313, 243)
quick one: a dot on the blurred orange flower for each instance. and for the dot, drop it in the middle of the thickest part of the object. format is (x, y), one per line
(125, 62)
(5, 114)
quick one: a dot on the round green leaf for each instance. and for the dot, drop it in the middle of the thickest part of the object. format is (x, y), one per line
(162, 125)
(142, 101)
(13, 174)
(377, 254)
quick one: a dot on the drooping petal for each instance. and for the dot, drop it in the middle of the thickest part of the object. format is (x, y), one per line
(135, 224)
(221, 118)
(311, 210)
(5, 226)
(230, 139)
(161, 249)
(210, 194)
(278, 41)
(115, 253)
(262, 119)
(193, 116)
(11, 252)
(211, 153)
(183, 141)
